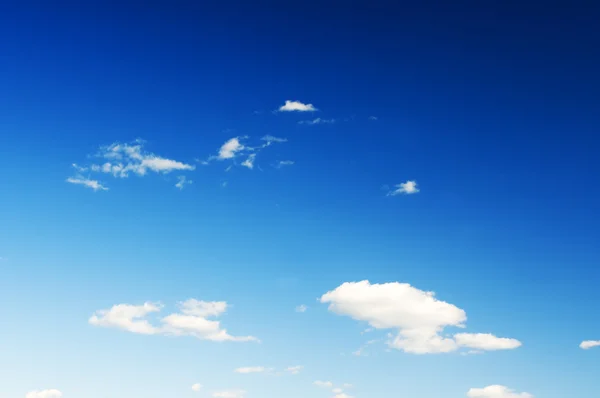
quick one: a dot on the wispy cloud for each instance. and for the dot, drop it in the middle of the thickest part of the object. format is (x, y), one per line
(44, 394)
(249, 162)
(404, 188)
(86, 182)
(191, 320)
(373, 118)
(296, 106)
(237, 147)
(182, 182)
(317, 121)
(301, 308)
(251, 369)
(229, 394)
(270, 138)
(496, 391)
(294, 369)
(283, 163)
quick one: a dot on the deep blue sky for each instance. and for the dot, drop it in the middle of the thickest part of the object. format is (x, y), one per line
(492, 108)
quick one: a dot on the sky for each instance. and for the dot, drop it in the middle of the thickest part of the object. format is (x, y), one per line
(273, 199)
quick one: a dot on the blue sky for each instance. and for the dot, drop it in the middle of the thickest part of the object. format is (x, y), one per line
(164, 211)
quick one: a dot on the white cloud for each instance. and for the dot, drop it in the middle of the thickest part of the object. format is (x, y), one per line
(283, 163)
(44, 394)
(250, 369)
(496, 391)
(323, 384)
(190, 321)
(586, 345)
(407, 188)
(249, 162)
(485, 341)
(86, 182)
(230, 148)
(197, 387)
(417, 315)
(182, 182)
(294, 369)
(301, 308)
(373, 118)
(229, 394)
(337, 390)
(296, 106)
(317, 121)
(342, 395)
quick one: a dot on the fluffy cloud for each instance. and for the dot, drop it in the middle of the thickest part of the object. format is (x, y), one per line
(294, 369)
(182, 181)
(229, 394)
(586, 345)
(44, 394)
(296, 106)
(86, 182)
(496, 391)
(190, 321)
(317, 121)
(301, 308)
(249, 162)
(251, 369)
(405, 188)
(197, 387)
(230, 148)
(417, 315)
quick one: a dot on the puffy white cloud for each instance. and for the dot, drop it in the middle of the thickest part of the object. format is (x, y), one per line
(406, 188)
(249, 162)
(586, 345)
(317, 121)
(197, 387)
(496, 391)
(229, 394)
(250, 369)
(182, 182)
(127, 317)
(86, 182)
(44, 394)
(485, 341)
(301, 308)
(190, 321)
(294, 369)
(230, 148)
(417, 315)
(323, 384)
(296, 106)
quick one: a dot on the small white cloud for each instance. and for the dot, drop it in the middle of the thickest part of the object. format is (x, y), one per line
(317, 121)
(44, 394)
(323, 384)
(182, 182)
(301, 308)
(229, 394)
(197, 387)
(296, 106)
(342, 395)
(485, 341)
(294, 369)
(230, 148)
(250, 369)
(86, 182)
(190, 321)
(249, 162)
(283, 163)
(496, 391)
(373, 118)
(337, 390)
(407, 188)
(586, 345)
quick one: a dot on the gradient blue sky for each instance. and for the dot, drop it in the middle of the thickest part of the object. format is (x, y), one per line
(492, 110)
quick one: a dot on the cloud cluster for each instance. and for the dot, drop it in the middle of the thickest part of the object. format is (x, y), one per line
(496, 391)
(417, 316)
(237, 147)
(121, 160)
(44, 394)
(191, 320)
